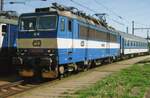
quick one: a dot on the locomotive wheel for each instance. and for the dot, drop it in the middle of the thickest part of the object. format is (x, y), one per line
(88, 66)
(76, 69)
(109, 60)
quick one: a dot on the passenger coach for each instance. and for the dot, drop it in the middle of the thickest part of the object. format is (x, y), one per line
(8, 35)
(132, 45)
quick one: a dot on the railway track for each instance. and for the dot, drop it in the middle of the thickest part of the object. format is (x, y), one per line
(17, 87)
(69, 85)
(13, 88)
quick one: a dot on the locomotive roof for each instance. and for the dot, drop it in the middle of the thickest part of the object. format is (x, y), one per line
(70, 13)
(64, 13)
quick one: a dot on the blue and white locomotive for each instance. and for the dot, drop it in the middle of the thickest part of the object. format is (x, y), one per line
(8, 34)
(54, 40)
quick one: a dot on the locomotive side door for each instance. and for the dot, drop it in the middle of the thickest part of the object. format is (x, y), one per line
(70, 30)
(65, 42)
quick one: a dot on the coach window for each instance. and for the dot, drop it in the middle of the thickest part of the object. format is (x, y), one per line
(70, 25)
(125, 42)
(4, 29)
(139, 43)
(128, 42)
(62, 24)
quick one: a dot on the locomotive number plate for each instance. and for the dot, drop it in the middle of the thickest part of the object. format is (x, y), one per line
(36, 43)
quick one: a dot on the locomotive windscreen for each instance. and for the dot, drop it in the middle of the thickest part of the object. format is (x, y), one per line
(38, 23)
(28, 24)
(47, 23)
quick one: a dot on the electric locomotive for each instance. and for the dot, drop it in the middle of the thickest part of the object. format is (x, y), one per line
(8, 34)
(57, 39)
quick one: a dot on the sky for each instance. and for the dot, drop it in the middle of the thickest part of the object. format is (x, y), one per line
(120, 13)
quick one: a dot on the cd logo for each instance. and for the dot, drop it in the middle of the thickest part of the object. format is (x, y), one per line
(36, 43)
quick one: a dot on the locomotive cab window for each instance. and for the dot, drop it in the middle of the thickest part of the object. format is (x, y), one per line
(62, 24)
(70, 25)
(4, 29)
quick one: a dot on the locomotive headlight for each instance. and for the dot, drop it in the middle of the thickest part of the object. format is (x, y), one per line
(49, 51)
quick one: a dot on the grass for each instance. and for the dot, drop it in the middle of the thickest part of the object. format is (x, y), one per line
(128, 83)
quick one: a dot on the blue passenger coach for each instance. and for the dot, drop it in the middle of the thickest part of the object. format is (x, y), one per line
(54, 40)
(8, 34)
(132, 45)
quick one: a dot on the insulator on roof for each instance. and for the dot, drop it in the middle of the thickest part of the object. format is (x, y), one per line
(57, 7)
(46, 9)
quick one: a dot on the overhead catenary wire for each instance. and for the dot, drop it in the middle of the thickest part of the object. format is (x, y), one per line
(116, 21)
(112, 12)
(117, 15)
(83, 6)
(92, 10)
(97, 2)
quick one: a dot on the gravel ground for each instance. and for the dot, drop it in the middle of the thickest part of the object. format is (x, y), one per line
(147, 95)
(67, 86)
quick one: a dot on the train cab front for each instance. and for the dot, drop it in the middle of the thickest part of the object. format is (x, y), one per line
(37, 45)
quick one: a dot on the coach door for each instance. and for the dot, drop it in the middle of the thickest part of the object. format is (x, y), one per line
(122, 45)
(70, 39)
(108, 45)
(1, 36)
